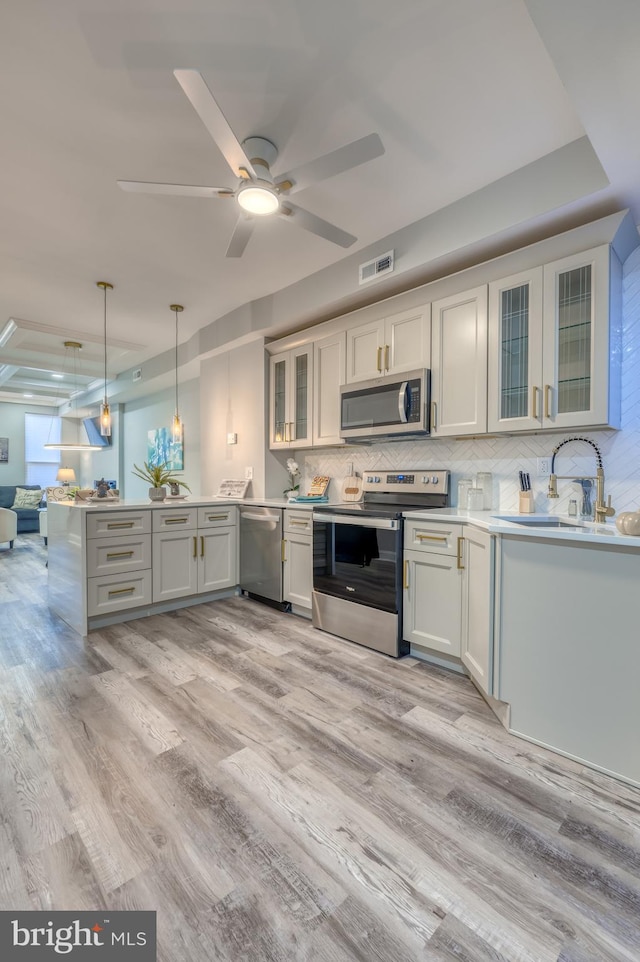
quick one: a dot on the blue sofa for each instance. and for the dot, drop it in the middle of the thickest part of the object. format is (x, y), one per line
(28, 518)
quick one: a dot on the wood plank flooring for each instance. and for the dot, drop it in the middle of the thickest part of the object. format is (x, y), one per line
(277, 794)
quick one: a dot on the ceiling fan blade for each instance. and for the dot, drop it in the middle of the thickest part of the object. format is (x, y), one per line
(344, 158)
(240, 237)
(311, 222)
(204, 104)
(177, 190)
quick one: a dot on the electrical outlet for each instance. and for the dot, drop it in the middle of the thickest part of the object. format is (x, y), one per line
(248, 474)
(232, 437)
(544, 467)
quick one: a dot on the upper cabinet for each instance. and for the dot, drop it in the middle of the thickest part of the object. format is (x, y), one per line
(552, 362)
(290, 398)
(391, 345)
(459, 364)
(328, 375)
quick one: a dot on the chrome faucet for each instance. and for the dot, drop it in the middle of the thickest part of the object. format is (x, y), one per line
(602, 510)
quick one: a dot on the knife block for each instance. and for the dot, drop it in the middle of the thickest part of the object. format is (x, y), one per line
(526, 503)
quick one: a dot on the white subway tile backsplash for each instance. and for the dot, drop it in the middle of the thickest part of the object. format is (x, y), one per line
(505, 456)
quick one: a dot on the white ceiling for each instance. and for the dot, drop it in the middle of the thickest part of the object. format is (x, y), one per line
(462, 93)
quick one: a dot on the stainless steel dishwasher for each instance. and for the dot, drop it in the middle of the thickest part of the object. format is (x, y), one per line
(261, 553)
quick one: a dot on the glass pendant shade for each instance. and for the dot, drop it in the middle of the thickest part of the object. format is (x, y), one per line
(105, 411)
(177, 427)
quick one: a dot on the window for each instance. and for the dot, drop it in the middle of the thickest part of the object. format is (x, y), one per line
(41, 464)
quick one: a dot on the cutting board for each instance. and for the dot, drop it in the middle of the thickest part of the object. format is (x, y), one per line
(352, 488)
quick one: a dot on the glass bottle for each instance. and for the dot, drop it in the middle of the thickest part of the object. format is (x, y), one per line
(484, 480)
(464, 485)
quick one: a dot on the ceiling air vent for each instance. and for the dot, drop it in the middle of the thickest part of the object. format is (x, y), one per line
(137, 374)
(376, 267)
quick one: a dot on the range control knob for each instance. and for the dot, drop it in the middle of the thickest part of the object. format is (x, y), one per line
(369, 479)
(425, 480)
(434, 480)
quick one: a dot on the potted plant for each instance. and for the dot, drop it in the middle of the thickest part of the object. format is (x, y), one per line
(157, 475)
(294, 472)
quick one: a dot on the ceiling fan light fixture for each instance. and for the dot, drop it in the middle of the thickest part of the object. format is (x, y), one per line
(257, 198)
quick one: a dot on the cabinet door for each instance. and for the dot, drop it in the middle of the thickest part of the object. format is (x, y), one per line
(217, 558)
(300, 396)
(175, 564)
(365, 346)
(515, 353)
(279, 400)
(459, 364)
(477, 606)
(576, 340)
(432, 601)
(298, 569)
(328, 375)
(407, 341)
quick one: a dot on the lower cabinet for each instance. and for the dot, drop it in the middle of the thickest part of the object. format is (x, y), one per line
(297, 557)
(448, 594)
(197, 558)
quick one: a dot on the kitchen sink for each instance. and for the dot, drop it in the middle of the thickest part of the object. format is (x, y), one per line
(539, 522)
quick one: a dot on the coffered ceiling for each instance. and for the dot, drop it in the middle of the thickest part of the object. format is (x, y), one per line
(463, 93)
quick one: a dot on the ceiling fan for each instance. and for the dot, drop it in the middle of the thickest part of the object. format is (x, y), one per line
(258, 192)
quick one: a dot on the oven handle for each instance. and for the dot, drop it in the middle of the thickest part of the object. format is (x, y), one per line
(355, 521)
(403, 406)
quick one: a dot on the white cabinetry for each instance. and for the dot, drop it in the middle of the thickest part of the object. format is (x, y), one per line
(118, 561)
(448, 600)
(553, 352)
(290, 398)
(194, 551)
(298, 558)
(390, 345)
(459, 364)
(328, 376)
(478, 605)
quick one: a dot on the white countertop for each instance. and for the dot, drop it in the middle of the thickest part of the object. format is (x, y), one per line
(499, 522)
(196, 501)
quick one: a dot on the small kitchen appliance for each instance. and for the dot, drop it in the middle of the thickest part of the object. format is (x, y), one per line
(386, 407)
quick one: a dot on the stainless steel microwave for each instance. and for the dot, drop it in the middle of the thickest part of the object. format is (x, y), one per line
(386, 407)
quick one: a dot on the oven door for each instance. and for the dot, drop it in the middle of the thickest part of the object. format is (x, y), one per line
(358, 559)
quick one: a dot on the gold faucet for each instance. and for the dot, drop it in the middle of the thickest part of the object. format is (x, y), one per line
(602, 510)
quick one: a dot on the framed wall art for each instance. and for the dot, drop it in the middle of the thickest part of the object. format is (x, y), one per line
(162, 449)
(4, 450)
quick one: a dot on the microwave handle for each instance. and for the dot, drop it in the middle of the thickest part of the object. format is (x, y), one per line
(402, 402)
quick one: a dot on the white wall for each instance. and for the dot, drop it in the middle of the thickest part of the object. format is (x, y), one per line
(233, 399)
(156, 411)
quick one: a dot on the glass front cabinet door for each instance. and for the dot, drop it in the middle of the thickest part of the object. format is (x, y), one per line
(291, 398)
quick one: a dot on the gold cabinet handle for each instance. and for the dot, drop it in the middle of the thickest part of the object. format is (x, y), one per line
(304, 524)
(547, 400)
(406, 575)
(378, 360)
(195, 547)
(459, 564)
(283, 553)
(386, 357)
(175, 520)
(201, 546)
(121, 591)
(534, 402)
(286, 431)
(217, 517)
(120, 524)
(430, 537)
(119, 554)
(292, 431)
(434, 415)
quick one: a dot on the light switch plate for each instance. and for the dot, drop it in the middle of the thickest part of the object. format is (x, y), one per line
(232, 438)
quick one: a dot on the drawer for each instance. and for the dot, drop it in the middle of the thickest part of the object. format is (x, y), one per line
(217, 517)
(112, 524)
(432, 536)
(175, 519)
(297, 522)
(107, 556)
(108, 594)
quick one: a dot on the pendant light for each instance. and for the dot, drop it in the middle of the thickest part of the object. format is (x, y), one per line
(177, 426)
(75, 347)
(105, 411)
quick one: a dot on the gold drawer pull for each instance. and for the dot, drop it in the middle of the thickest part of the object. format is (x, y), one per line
(217, 517)
(459, 554)
(119, 554)
(430, 537)
(121, 591)
(175, 520)
(305, 524)
(120, 524)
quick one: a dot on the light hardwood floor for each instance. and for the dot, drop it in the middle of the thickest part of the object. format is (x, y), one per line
(278, 794)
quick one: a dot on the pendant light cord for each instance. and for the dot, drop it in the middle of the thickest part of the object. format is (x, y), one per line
(176, 313)
(105, 342)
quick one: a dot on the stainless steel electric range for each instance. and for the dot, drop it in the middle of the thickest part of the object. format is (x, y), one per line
(357, 556)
